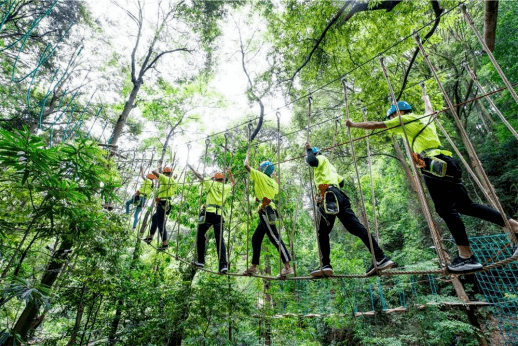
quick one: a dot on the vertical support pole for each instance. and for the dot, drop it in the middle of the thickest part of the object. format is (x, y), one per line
(353, 154)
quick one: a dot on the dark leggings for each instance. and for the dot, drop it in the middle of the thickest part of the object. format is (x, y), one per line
(212, 219)
(257, 239)
(350, 222)
(158, 221)
(451, 199)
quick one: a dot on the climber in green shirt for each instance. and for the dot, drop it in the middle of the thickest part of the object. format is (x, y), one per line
(442, 175)
(211, 215)
(266, 188)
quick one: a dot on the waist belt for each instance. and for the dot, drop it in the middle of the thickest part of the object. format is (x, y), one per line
(143, 195)
(425, 152)
(213, 206)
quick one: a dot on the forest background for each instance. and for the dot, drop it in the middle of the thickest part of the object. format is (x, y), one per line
(176, 82)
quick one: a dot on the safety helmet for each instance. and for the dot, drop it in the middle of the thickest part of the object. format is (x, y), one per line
(402, 105)
(218, 175)
(168, 170)
(315, 150)
(151, 176)
(267, 167)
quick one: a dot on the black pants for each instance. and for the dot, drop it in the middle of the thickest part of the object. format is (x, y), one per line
(158, 220)
(212, 219)
(350, 222)
(257, 239)
(451, 199)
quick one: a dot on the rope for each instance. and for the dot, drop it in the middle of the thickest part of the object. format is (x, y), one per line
(181, 201)
(247, 196)
(316, 212)
(469, 20)
(353, 154)
(493, 105)
(280, 190)
(369, 161)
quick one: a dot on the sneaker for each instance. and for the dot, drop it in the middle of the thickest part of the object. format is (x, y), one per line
(198, 264)
(223, 270)
(383, 263)
(162, 247)
(250, 271)
(460, 264)
(285, 272)
(147, 240)
(326, 270)
(134, 228)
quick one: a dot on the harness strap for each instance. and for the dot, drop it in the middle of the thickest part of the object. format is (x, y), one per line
(213, 206)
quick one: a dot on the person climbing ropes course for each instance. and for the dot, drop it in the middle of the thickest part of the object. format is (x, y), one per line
(212, 215)
(333, 202)
(442, 175)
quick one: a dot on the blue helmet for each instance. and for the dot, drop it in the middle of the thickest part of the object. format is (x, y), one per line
(315, 150)
(402, 105)
(267, 167)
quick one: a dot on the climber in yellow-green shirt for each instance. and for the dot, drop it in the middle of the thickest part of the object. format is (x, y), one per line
(442, 175)
(212, 215)
(140, 197)
(167, 187)
(266, 188)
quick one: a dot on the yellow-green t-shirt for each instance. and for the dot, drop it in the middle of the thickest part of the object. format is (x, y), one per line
(264, 186)
(325, 172)
(146, 188)
(427, 139)
(217, 193)
(167, 186)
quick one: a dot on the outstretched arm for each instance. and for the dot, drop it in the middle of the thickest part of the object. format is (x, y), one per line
(155, 171)
(428, 108)
(247, 161)
(232, 180)
(198, 175)
(367, 125)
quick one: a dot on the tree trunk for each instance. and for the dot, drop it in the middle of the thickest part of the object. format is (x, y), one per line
(490, 19)
(128, 106)
(28, 316)
(164, 148)
(79, 317)
(118, 311)
(176, 337)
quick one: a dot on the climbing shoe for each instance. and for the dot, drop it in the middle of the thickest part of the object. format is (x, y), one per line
(382, 263)
(250, 271)
(162, 247)
(285, 272)
(198, 264)
(459, 264)
(326, 270)
(147, 240)
(223, 270)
